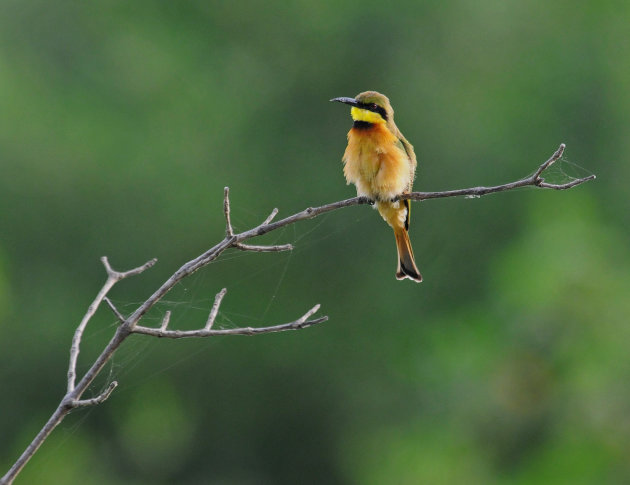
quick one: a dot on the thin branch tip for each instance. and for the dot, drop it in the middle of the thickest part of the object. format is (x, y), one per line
(165, 320)
(536, 179)
(114, 310)
(310, 323)
(108, 267)
(119, 275)
(138, 270)
(271, 216)
(229, 231)
(214, 311)
(308, 314)
(558, 153)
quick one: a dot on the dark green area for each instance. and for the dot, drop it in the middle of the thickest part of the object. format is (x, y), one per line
(120, 124)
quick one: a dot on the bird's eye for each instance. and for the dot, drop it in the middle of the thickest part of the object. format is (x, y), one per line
(374, 105)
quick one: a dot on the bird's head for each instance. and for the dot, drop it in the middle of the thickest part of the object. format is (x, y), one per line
(369, 107)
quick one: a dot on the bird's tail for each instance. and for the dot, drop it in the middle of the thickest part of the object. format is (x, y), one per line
(406, 265)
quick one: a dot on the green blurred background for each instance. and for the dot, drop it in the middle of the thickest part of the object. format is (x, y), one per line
(120, 124)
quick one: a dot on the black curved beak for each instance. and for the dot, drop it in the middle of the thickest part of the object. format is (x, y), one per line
(350, 101)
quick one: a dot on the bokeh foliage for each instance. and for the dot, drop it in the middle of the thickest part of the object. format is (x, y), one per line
(121, 122)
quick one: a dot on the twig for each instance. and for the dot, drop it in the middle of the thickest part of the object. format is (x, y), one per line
(271, 216)
(229, 231)
(165, 320)
(126, 274)
(552, 159)
(98, 399)
(115, 311)
(129, 325)
(264, 249)
(215, 308)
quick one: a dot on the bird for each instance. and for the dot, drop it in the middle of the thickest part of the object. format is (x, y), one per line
(381, 163)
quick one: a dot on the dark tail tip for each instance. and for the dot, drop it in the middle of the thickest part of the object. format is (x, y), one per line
(408, 273)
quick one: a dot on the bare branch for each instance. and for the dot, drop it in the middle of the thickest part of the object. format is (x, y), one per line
(129, 325)
(113, 308)
(95, 400)
(300, 323)
(215, 308)
(264, 249)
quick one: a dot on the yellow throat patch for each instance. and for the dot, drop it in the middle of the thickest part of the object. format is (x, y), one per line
(359, 114)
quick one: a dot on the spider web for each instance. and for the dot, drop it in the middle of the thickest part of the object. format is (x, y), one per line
(564, 171)
(266, 274)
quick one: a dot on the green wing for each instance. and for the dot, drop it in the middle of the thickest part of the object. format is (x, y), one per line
(404, 145)
(408, 149)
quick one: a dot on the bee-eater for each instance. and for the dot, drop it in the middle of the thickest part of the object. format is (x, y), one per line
(382, 165)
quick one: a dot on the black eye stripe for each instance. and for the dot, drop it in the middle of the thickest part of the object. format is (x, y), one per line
(374, 108)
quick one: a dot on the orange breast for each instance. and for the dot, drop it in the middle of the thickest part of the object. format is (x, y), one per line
(375, 163)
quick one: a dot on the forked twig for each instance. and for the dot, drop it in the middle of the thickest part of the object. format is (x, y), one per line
(112, 278)
(98, 399)
(534, 180)
(300, 323)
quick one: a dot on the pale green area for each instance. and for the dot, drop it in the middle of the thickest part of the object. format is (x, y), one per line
(120, 124)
